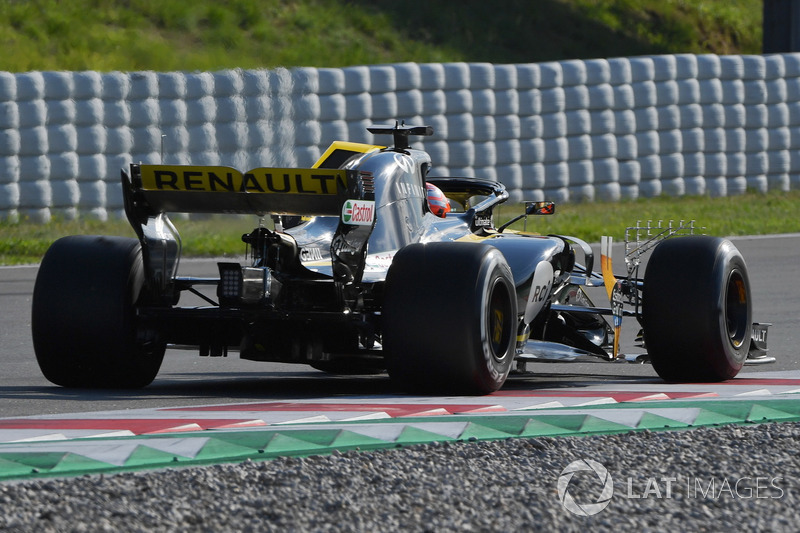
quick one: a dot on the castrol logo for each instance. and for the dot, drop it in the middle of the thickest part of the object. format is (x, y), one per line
(358, 212)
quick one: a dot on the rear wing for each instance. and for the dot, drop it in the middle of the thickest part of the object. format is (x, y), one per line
(219, 189)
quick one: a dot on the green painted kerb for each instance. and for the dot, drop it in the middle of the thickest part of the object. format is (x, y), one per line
(70, 458)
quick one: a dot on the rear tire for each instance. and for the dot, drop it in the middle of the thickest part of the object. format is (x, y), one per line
(449, 318)
(83, 320)
(697, 309)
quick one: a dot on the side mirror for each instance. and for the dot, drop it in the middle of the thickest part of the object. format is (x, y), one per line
(540, 208)
(531, 208)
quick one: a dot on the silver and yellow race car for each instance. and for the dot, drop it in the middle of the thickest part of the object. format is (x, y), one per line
(365, 263)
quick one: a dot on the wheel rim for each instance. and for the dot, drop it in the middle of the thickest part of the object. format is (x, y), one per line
(736, 301)
(500, 320)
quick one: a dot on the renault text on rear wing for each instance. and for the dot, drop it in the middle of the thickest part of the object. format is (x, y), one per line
(220, 189)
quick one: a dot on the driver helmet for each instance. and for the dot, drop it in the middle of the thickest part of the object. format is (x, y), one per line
(437, 201)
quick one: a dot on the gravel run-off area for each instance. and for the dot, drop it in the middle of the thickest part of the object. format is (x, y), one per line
(737, 478)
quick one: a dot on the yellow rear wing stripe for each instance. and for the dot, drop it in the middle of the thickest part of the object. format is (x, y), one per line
(220, 189)
(258, 180)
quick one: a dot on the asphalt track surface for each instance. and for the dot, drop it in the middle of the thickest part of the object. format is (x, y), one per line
(186, 379)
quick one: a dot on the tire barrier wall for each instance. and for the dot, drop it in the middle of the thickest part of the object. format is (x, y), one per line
(565, 131)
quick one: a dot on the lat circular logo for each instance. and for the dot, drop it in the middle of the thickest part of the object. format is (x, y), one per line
(568, 501)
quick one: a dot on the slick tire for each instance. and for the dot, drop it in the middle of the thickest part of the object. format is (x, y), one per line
(83, 319)
(697, 309)
(449, 318)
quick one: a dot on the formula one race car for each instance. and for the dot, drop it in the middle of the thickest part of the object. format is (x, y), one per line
(364, 263)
